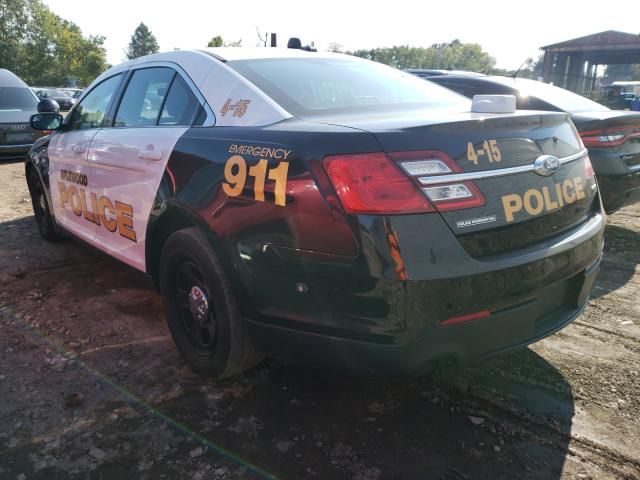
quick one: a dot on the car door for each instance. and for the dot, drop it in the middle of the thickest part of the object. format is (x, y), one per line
(128, 160)
(72, 191)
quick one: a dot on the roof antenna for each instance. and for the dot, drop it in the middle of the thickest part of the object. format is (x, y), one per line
(515, 74)
(262, 41)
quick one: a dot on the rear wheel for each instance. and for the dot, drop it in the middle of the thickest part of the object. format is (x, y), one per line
(41, 211)
(201, 309)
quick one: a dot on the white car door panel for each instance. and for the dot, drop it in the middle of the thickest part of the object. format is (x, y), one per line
(127, 165)
(128, 160)
(75, 203)
(70, 182)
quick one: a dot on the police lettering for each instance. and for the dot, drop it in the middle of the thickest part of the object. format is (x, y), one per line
(73, 177)
(535, 201)
(114, 216)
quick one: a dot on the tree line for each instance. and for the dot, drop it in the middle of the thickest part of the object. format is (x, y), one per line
(454, 55)
(44, 49)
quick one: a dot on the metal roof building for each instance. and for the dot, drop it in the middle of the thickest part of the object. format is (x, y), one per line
(572, 64)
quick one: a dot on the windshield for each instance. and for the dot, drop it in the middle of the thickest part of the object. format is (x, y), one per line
(17, 98)
(322, 85)
(558, 97)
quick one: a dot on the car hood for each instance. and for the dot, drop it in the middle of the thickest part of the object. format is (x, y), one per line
(15, 116)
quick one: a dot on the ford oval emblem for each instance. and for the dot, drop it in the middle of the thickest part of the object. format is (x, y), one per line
(546, 165)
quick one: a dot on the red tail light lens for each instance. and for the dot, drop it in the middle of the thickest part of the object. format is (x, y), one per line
(588, 168)
(381, 183)
(610, 137)
(371, 183)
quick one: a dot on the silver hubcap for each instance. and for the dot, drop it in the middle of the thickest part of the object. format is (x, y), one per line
(198, 305)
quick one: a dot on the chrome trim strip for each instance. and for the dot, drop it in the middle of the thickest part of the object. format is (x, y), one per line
(462, 177)
(11, 147)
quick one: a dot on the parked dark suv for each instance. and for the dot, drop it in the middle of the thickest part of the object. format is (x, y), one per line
(17, 104)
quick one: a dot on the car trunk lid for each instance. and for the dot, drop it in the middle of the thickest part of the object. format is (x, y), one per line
(500, 182)
(14, 128)
(613, 129)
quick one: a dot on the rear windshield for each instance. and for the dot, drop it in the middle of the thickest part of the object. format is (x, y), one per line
(17, 98)
(558, 97)
(321, 85)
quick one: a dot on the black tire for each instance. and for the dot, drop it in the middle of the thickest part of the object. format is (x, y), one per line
(41, 210)
(214, 343)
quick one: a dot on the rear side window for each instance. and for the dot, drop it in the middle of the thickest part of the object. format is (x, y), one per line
(467, 90)
(308, 86)
(17, 98)
(144, 97)
(559, 98)
(533, 103)
(181, 105)
(90, 112)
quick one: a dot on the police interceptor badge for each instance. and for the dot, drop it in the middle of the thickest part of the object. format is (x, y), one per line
(472, 222)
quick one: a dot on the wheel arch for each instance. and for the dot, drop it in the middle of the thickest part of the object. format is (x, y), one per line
(165, 220)
(38, 160)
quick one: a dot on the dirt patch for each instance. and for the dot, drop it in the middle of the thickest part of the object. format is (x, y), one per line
(91, 386)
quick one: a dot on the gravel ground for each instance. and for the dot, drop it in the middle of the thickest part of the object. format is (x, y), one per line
(91, 386)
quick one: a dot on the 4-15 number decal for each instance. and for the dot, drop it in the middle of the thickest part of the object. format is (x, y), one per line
(489, 149)
(235, 174)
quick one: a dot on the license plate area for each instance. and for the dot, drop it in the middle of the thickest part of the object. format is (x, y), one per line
(17, 137)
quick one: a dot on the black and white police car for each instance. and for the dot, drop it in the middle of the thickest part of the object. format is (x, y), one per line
(323, 208)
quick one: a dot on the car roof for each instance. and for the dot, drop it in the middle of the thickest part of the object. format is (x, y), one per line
(221, 54)
(254, 53)
(225, 54)
(428, 72)
(10, 79)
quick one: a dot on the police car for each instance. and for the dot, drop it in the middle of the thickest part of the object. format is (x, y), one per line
(323, 208)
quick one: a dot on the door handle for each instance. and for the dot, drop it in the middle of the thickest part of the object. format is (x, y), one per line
(78, 148)
(149, 154)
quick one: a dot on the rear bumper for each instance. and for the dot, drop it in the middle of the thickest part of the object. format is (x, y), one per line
(14, 152)
(355, 314)
(552, 308)
(619, 191)
(619, 184)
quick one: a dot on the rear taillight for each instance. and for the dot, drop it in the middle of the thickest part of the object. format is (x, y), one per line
(610, 137)
(588, 168)
(373, 183)
(445, 196)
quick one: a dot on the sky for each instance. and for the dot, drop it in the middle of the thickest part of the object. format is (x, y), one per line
(510, 31)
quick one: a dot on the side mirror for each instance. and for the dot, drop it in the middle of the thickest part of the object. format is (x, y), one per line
(46, 121)
(48, 105)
